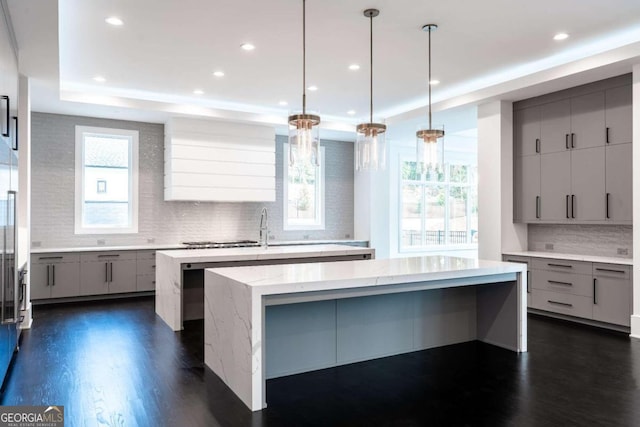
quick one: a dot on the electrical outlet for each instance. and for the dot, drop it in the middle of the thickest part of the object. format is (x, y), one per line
(101, 242)
(623, 251)
(548, 246)
(347, 236)
(151, 240)
(305, 237)
(36, 244)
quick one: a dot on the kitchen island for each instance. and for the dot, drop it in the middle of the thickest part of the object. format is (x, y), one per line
(178, 300)
(268, 321)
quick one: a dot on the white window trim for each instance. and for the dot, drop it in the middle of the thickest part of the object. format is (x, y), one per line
(285, 186)
(133, 190)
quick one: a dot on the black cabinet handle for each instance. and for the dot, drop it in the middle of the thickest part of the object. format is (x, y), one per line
(595, 300)
(7, 124)
(537, 145)
(106, 272)
(610, 271)
(573, 140)
(50, 257)
(559, 265)
(566, 141)
(109, 256)
(607, 136)
(573, 204)
(607, 204)
(554, 282)
(53, 275)
(528, 282)
(559, 303)
(14, 146)
(538, 207)
(48, 275)
(110, 272)
(566, 205)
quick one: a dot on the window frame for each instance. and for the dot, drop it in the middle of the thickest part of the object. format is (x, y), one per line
(320, 198)
(133, 136)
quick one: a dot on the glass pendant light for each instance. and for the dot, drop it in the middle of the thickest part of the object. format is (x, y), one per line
(304, 135)
(370, 144)
(427, 138)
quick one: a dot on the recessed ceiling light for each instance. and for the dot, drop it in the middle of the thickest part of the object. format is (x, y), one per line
(561, 36)
(247, 46)
(354, 67)
(218, 73)
(351, 112)
(313, 88)
(99, 79)
(434, 82)
(283, 103)
(114, 20)
(198, 92)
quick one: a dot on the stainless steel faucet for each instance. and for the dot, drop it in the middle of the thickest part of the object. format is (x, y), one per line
(264, 228)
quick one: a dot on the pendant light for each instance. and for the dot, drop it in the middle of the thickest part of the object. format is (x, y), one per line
(304, 138)
(427, 139)
(370, 144)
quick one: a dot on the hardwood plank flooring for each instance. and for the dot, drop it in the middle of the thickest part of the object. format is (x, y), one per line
(115, 363)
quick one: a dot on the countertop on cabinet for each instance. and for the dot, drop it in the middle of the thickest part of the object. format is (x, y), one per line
(572, 257)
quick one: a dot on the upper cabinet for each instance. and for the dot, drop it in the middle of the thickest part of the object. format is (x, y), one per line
(572, 155)
(219, 161)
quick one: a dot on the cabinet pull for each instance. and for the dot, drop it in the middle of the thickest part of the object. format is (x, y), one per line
(537, 145)
(566, 141)
(607, 136)
(595, 301)
(108, 256)
(14, 145)
(573, 204)
(566, 205)
(554, 282)
(560, 265)
(53, 275)
(528, 282)
(607, 205)
(153, 281)
(538, 207)
(7, 104)
(49, 257)
(608, 270)
(110, 272)
(559, 303)
(573, 140)
(106, 272)
(48, 276)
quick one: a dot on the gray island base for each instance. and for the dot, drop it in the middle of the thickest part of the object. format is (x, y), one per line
(268, 321)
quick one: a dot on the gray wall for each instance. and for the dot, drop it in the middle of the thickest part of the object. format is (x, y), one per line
(53, 181)
(602, 240)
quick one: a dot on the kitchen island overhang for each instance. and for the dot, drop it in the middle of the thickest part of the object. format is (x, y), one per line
(267, 321)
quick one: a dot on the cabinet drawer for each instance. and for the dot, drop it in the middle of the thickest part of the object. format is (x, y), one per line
(107, 256)
(516, 258)
(146, 266)
(145, 283)
(572, 305)
(615, 271)
(566, 283)
(54, 258)
(563, 265)
(146, 254)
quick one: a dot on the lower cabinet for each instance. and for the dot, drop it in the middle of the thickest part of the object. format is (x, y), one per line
(55, 275)
(108, 272)
(145, 271)
(612, 294)
(522, 260)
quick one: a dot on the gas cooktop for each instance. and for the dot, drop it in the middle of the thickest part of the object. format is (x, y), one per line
(215, 245)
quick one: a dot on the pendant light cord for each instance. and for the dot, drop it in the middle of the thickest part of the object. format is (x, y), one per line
(304, 58)
(429, 80)
(371, 68)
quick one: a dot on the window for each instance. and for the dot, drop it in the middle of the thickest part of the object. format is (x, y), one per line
(303, 195)
(438, 207)
(106, 181)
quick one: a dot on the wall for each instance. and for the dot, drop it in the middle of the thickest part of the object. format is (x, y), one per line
(602, 240)
(53, 178)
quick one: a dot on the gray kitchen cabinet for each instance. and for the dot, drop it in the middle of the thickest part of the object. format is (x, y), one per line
(527, 131)
(528, 181)
(588, 201)
(619, 196)
(555, 125)
(54, 275)
(523, 260)
(108, 272)
(555, 186)
(612, 294)
(145, 271)
(618, 115)
(587, 121)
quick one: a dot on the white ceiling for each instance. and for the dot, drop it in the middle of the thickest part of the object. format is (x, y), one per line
(168, 48)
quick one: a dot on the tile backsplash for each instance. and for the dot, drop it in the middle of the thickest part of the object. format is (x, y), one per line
(53, 183)
(601, 240)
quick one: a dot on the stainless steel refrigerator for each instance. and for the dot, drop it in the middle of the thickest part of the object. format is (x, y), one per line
(9, 301)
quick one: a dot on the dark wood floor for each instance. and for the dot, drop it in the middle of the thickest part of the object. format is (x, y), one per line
(116, 364)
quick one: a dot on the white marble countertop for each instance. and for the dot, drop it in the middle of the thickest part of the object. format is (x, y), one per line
(167, 246)
(573, 257)
(256, 253)
(279, 279)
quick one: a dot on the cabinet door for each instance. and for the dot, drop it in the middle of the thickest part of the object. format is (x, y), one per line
(587, 121)
(528, 197)
(40, 281)
(587, 184)
(612, 300)
(122, 275)
(555, 125)
(94, 278)
(555, 186)
(618, 114)
(65, 280)
(527, 131)
(145, 282)
(618, 182)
